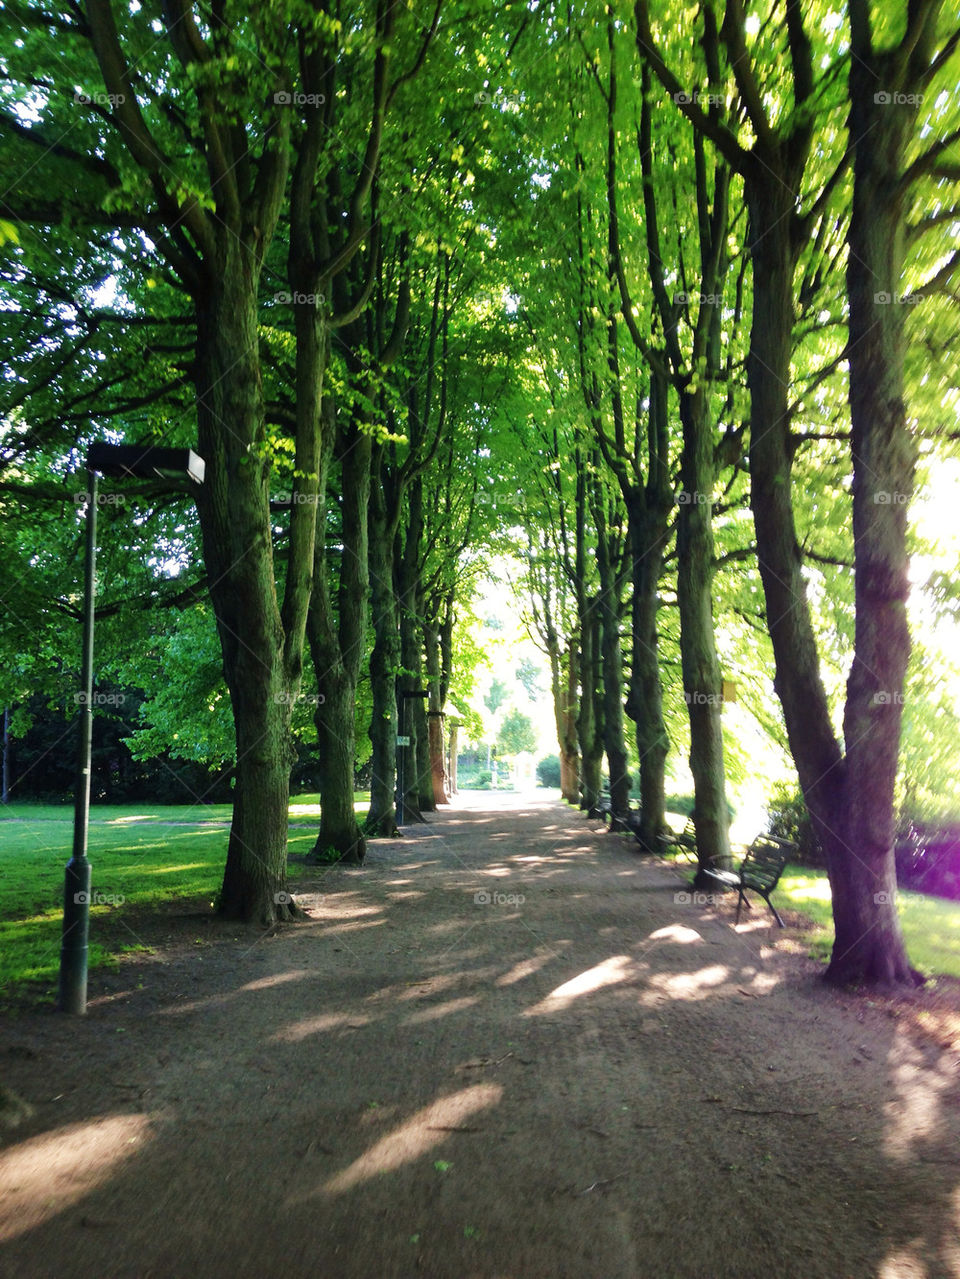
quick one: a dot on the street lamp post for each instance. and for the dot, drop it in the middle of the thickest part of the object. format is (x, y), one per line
(119, 461)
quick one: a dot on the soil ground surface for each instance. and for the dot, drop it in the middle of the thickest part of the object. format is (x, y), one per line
(508, 1047)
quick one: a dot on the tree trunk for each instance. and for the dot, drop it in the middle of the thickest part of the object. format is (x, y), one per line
(337, 646)
(236, 529)
(815, 750)
(702, 684)
(422, 752)
(590, 722)
(431, 638)
(452, 748)
(869, 943)
(645, 696)
(339, 837)
(611, 675)
(564, 713)
(438, 772)
(569, 749)
(384, 664)
(413, 723)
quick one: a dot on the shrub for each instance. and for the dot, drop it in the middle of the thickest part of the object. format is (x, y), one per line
(789, 819)
(928, 856)
(927, 853)
(679, 804)
(684, 804)
(548, 771)
(484, 780)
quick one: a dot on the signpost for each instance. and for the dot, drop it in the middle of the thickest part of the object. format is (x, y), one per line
(403, 745)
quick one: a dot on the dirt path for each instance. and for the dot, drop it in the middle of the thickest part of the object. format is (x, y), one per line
(502, 1050)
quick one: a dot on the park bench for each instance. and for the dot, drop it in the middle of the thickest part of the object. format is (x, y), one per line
(685, 840)
(759, 871)
(604, 812)
(602, 809)
(633, 819)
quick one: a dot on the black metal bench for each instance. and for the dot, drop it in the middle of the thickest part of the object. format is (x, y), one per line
(628, 825)
(603, 812)
(633, 819)
(602, 809)
(685, 840)
(759, 872)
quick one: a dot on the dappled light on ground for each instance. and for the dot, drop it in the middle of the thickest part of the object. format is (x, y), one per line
(913, 1114)
(697, 985)
(170, 870)
(319, 1025)
(906, 1262)
(187, 1006)
(130, 817)
(489, 1058)
(526, 968)
(429, 986)
(675, 932)
(442, 1010)
(616, 969)
(47, 1174)
(801, 886)
(422, 1132)
(276, 979)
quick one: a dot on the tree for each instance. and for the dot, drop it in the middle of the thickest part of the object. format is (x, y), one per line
(496, 695)
(517, 736)
(213, 145)
(788, 199)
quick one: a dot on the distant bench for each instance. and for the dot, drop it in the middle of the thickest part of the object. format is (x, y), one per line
(685, 840)
(604, 812)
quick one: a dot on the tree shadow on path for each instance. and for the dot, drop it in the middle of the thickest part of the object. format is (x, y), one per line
(505, 1048)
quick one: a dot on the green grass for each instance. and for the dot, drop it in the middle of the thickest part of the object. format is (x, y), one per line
(931, 925)
(146, 856)
(150, 856)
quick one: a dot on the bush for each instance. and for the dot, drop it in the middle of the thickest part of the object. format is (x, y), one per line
(928, 856)
(927, 853)
(548, 771)
(789, 819)
(684, 804)
(679, 804)
(483, 780)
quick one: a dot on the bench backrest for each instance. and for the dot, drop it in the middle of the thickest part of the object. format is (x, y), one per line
(765, 860)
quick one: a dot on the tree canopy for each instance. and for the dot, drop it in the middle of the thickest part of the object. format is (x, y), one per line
(656, 303)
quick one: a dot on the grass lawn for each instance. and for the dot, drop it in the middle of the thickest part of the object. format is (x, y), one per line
(931, 925)
(142, 856)
(146, 857)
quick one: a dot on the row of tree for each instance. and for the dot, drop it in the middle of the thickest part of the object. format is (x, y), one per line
(421, 287)
(749, 235)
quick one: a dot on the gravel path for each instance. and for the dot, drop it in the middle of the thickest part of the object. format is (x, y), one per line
(503, 1049)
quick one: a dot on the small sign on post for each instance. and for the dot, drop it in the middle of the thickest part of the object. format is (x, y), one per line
(403, 741)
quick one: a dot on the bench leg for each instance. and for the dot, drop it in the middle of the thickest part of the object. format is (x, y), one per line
(776, 913)
(741, 901)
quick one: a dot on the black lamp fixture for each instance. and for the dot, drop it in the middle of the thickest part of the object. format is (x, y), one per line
(119, 461)
(144, 462)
